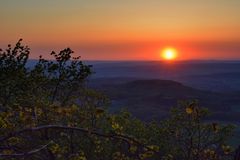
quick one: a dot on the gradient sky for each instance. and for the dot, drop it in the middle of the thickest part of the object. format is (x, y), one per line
(124, 29)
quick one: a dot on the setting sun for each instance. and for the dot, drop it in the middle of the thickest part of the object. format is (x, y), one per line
(169, 53)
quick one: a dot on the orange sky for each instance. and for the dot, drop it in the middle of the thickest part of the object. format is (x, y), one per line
(124, 29)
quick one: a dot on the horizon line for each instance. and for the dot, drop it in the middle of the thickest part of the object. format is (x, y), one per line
(141, 60)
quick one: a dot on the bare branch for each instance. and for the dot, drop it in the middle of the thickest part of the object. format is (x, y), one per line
(17, 155)
(125, 138)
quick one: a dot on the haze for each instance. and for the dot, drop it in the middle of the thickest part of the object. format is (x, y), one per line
(124, 29)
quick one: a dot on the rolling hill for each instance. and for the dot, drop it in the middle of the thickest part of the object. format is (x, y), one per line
(153, 98)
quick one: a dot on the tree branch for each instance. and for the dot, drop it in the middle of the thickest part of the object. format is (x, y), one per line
(17, 155)
(125, 138)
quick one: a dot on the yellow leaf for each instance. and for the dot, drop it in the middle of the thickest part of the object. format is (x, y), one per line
(189, 110)
(226, 149)
(133, 149)
(154, 147)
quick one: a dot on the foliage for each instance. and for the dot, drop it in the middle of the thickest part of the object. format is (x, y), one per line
(47, 112)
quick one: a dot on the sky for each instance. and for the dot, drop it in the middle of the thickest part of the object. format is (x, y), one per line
(124, 29)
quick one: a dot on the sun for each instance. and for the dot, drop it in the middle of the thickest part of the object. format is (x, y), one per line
(169, 53)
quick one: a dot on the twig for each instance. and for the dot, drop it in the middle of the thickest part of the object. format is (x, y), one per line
(16, 155)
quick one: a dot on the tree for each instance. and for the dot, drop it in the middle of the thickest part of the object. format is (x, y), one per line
(47, 112)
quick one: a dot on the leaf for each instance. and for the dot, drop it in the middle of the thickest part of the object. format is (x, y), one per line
(226, 149)
(154, 147)
(189, 110)
(99, 111)
(133, 149)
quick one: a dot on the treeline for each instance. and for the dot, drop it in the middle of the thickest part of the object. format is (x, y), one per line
(48, 113)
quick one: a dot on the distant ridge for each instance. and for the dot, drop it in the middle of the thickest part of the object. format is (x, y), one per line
(151, 82)
(152, 98)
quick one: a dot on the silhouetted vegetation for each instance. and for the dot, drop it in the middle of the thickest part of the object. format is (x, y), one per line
(47, 112)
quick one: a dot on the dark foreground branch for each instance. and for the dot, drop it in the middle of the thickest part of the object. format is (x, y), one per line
(124, 138)
(26, 154)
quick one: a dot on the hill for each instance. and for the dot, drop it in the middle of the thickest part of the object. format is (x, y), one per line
(152, 99)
